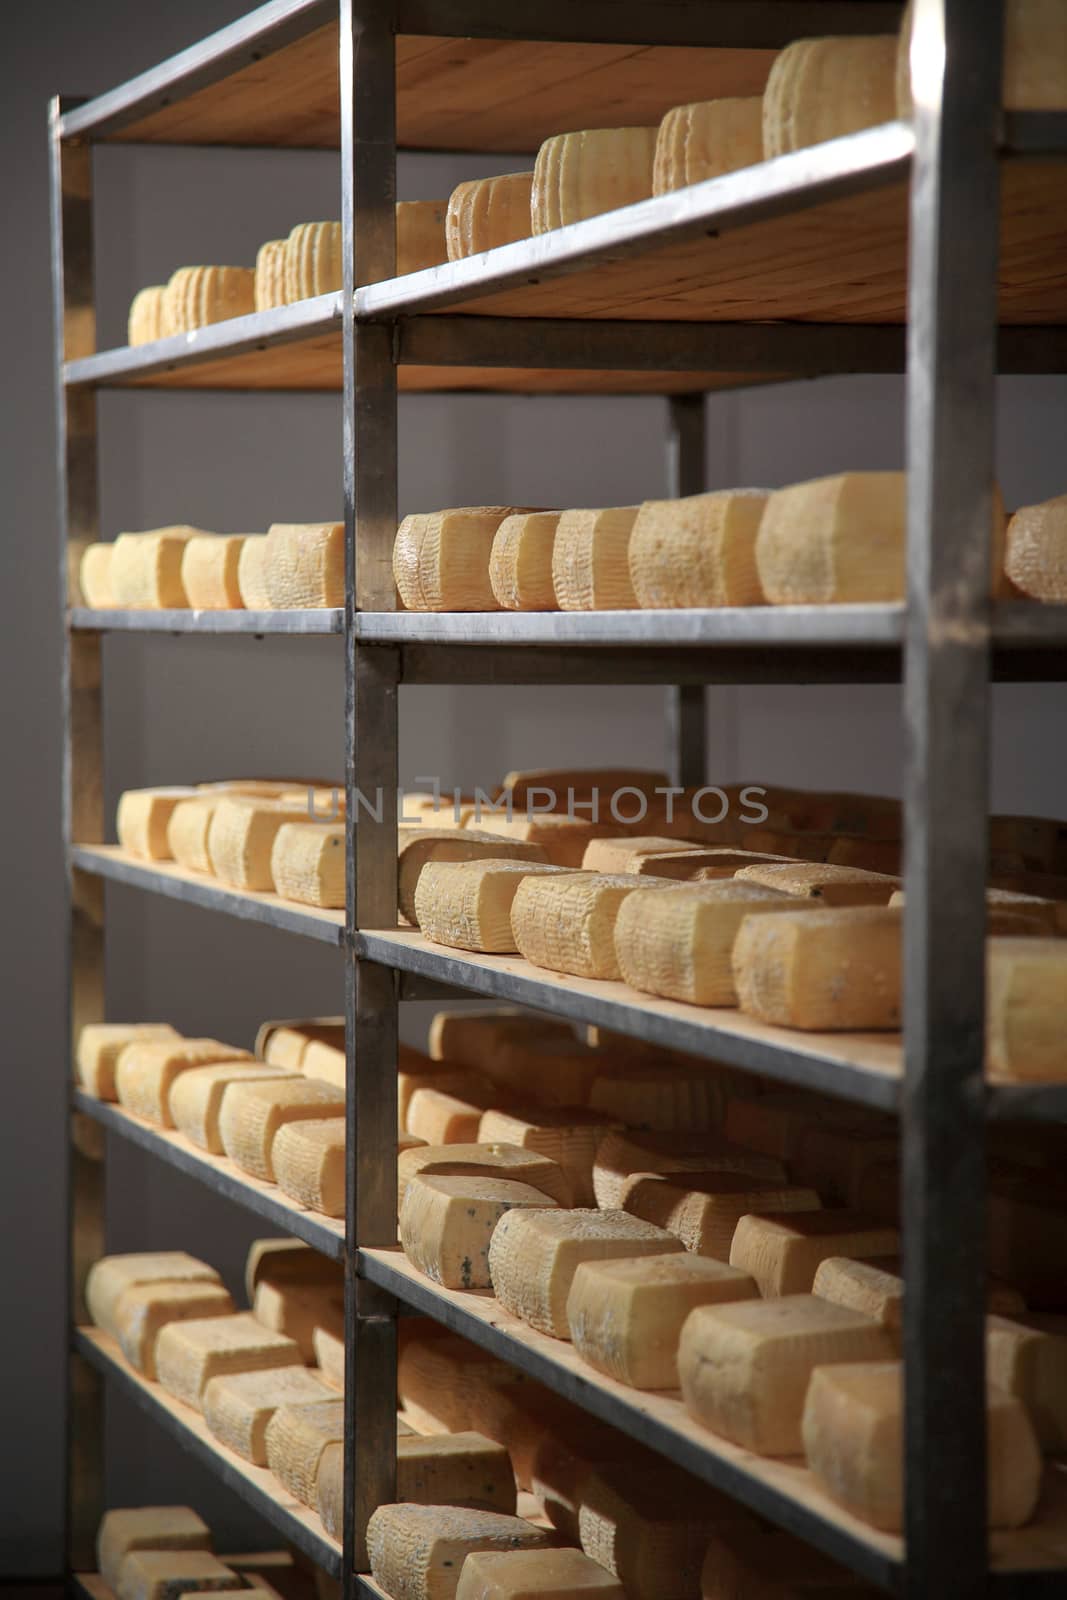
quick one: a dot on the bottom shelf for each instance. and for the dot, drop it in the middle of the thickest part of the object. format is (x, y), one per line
(256, 1485)
(1032, 1560)
(271, 1566)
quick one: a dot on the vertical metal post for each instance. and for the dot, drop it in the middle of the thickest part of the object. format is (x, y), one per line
(368, 189)
(686, 718)
(82, 804)
(955, 65)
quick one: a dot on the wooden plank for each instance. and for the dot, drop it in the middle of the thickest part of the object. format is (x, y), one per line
(465, 94)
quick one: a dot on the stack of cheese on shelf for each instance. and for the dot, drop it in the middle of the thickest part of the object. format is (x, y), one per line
(831, 541)
(293, 566)
(154, 1552)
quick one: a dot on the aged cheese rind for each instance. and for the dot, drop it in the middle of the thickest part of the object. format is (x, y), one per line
(417, 1552)
(269, 287)
(581, 174)
(852, 1437)
(703, 1208)
(312, 260)
(145, 1308)
(188, 828)
(1029, 1360)
(420, 235)
(239, 1405)
(650, 1528)
(209, 571)
(1025, 990)
(296, 1437)
(782, 1250)
(241, 837)
(660, 1095)
(252, 573)
(1036, 556)
(309, 1164)
(821, 970)
(252, 1113)
(195, 297)
(706, 139)
(307, 863)
(505, 1161)
(111, 1276)
(1034, 74)
(534, 1255)
(146, 1528)
(488, 212)
(101, 1043)
(824, 882)
(467, 904)
(195, 1098)
(590, 562)
(190, 1354)
(626, 1316)
(446, 1224)
(455, 1469)
(441, 558)
(570, 1137)
(520, 561)
(535, 1575)
(94, 576)
(418, 845)
(145, 321)
(146, 569)
(744, 1367)
(298, 1308)
(697, 551)
(143, 817)
(304, 565)
(822, 88)
(567, 922)
(622, 1155)
(147, 1070)
(165, 1574)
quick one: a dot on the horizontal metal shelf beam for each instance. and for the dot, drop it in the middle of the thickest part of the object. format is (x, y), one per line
(255, 1485)
(785, 627)
(86, 619)
(162, 877)
(215, 1172)
(833, 170)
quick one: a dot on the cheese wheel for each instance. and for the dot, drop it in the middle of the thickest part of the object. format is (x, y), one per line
(144, 1308)
(823, 882)
(744, 1367)
(418, 845)
(697, 551)
(146, 569)
(455, 1469)
(853, 1439)
(307, 863)
(562, 838)
(252, 573)
(782, 1250)
(101, 1043)
(590, 560)
(504, 1161)
(252, 1114)
(110, 1277)
(568, 1136)
(195, 1098)
(190, 1354)
(559, 785)
(1024, 1008)
(312, 260)
(567, 922)
(614, 855)
(705, 140)
(1036, 558)
(241, 837)
(420, 235)
(467, 904)
(578, 175)
(623, 1155)
(553, 1069)
(239, 1405)
(441, 559)
(659, 1095)
(143, 818)
(94, 576)
(269, 287)
(296, 1439)
(209, 571)
(1034, 74)
(863, 1286)
(147, 1070)
(188, 827)
(446, 1224)
(625, 1316)
(822, 970)
(146, 1528)
(703, 1209)
(159, 1574)
(534, 1255)
(475, 1038)
(822, 88)
(535, 1575)
(145, 322)
(195, 297)
(486, 213)
(520, 561)
(1029, 1360)
(680, 944)
(650, 1528)
(309, 1164)
(417, 1552)
(304, 565)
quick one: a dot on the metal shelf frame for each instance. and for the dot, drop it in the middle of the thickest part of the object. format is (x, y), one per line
(946, 643)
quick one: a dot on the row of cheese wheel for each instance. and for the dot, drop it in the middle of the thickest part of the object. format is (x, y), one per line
(292, 566)
(836, 540)
(154, 1552)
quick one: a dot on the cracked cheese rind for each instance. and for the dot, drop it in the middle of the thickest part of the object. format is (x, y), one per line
(145, 322)
(148, 1068)
(535, 1575)
(744, 1367)
(252, 1114)
(167, 1574)
(626, 1316)
(194, 297)
(307, 863)
(590, 560)
(621, 1155)
(488, 212)
(304, 565)
(703, 1208)
(296, 1438)
(195, 1098)
(505, 1161)
(418, 845)
(239, 1405)
(822, 970)
(269, 288)
(190, 1354)
(446, 1224)
(1025, 1037)
(241, 836)
(94, 576)
(309, 1164)
(101, 1043)
(252, 573)
(706, 139)
(581, 174)
(111, 1276)
(680, 944)
(146, 1528)
(441, 558)
(534, 1255)
(853, 1439)
(697, 551)
(145, 1308)
(146, 569)
(209, 571)
(417, 1552)
(567, 922)
(822, 88)
(782, 1250)
(467, 904)
(143, 818)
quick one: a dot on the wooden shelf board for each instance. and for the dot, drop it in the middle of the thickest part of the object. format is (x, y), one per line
(257, 1485)
(325, 1234)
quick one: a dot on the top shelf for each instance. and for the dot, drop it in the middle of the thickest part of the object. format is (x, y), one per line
(472, 75)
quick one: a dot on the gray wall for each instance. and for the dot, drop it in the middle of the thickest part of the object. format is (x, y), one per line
(179, 710)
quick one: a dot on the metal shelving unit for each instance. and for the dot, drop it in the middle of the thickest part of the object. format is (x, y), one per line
(667, 297)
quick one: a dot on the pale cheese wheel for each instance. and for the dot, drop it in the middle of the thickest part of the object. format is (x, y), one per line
(110, 1276)
(312, 260)
(441, 558)
(307, 863)
(417, 1552)
(418, 845)
(446, 1224)
(143, 818)
(145, 1308)
(195, 297)
(650, 1527)
(146, 1528)
(101, 1043)
(823, 882)
(147, 1070)
(239, 1405)
(296, 1439)
(621, 1155)
(703, 1209)
(94, 576)
(782, 1250)
(822, 88)
(578, 175)
(1034, 75)
(486, 213)
(195, 1098)
(252, 1114)
(145, 322)
(507, 1161)
(467, 904)
(567, 922)
(269, 286)
(160, 1574)
(209, 571)
(1025, 1008)
(562, 838)
(570, 1136)
(252, 573)
(520, 561)
(309, 1163)
(146, 568)
(822, 970)
(706, 139)
(535, 1575)
(241, 837)
(190, 1354)
(590, 560)
(455, 1469)
(697, 551)
(304, 565)
(187, 832)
